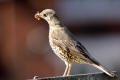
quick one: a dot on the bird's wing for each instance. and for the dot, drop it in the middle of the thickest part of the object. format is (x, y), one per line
(76, 48)
(85, 53)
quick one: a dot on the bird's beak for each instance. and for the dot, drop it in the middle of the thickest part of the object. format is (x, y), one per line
(37, 16)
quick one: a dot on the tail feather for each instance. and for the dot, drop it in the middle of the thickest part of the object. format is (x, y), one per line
(105, 70)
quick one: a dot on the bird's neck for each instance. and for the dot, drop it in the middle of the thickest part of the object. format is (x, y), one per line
(55, 22)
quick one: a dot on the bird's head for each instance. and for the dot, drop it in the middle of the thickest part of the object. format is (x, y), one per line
(46, 14)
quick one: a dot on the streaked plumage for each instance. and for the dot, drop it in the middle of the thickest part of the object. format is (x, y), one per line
(65, 46)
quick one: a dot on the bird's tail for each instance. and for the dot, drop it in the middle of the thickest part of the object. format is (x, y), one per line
(104, 70)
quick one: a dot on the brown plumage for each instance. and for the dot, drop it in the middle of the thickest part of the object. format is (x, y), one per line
(65, 46)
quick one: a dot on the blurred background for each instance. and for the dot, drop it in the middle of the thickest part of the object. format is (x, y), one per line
(24, 47)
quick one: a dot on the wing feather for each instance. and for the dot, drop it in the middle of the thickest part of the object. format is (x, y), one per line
(76, 48)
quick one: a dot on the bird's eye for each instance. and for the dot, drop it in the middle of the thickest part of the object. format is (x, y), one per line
(44, 15)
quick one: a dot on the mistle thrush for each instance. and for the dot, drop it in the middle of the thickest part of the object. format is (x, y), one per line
(65, 46)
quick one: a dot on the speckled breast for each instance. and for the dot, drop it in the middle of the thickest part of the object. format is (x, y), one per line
(61, 53)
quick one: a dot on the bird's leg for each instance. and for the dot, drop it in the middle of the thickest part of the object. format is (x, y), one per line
(66, 69)
(68, 72)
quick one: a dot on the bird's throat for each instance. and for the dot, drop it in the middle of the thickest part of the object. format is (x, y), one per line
(54, 21)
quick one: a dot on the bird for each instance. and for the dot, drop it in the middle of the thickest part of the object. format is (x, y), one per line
(65, 45)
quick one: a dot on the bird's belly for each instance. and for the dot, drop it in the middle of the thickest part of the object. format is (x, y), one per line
(67, 57)
(63, 55)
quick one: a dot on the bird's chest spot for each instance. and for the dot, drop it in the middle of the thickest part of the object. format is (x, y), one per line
(62, 53)
(57, 49)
